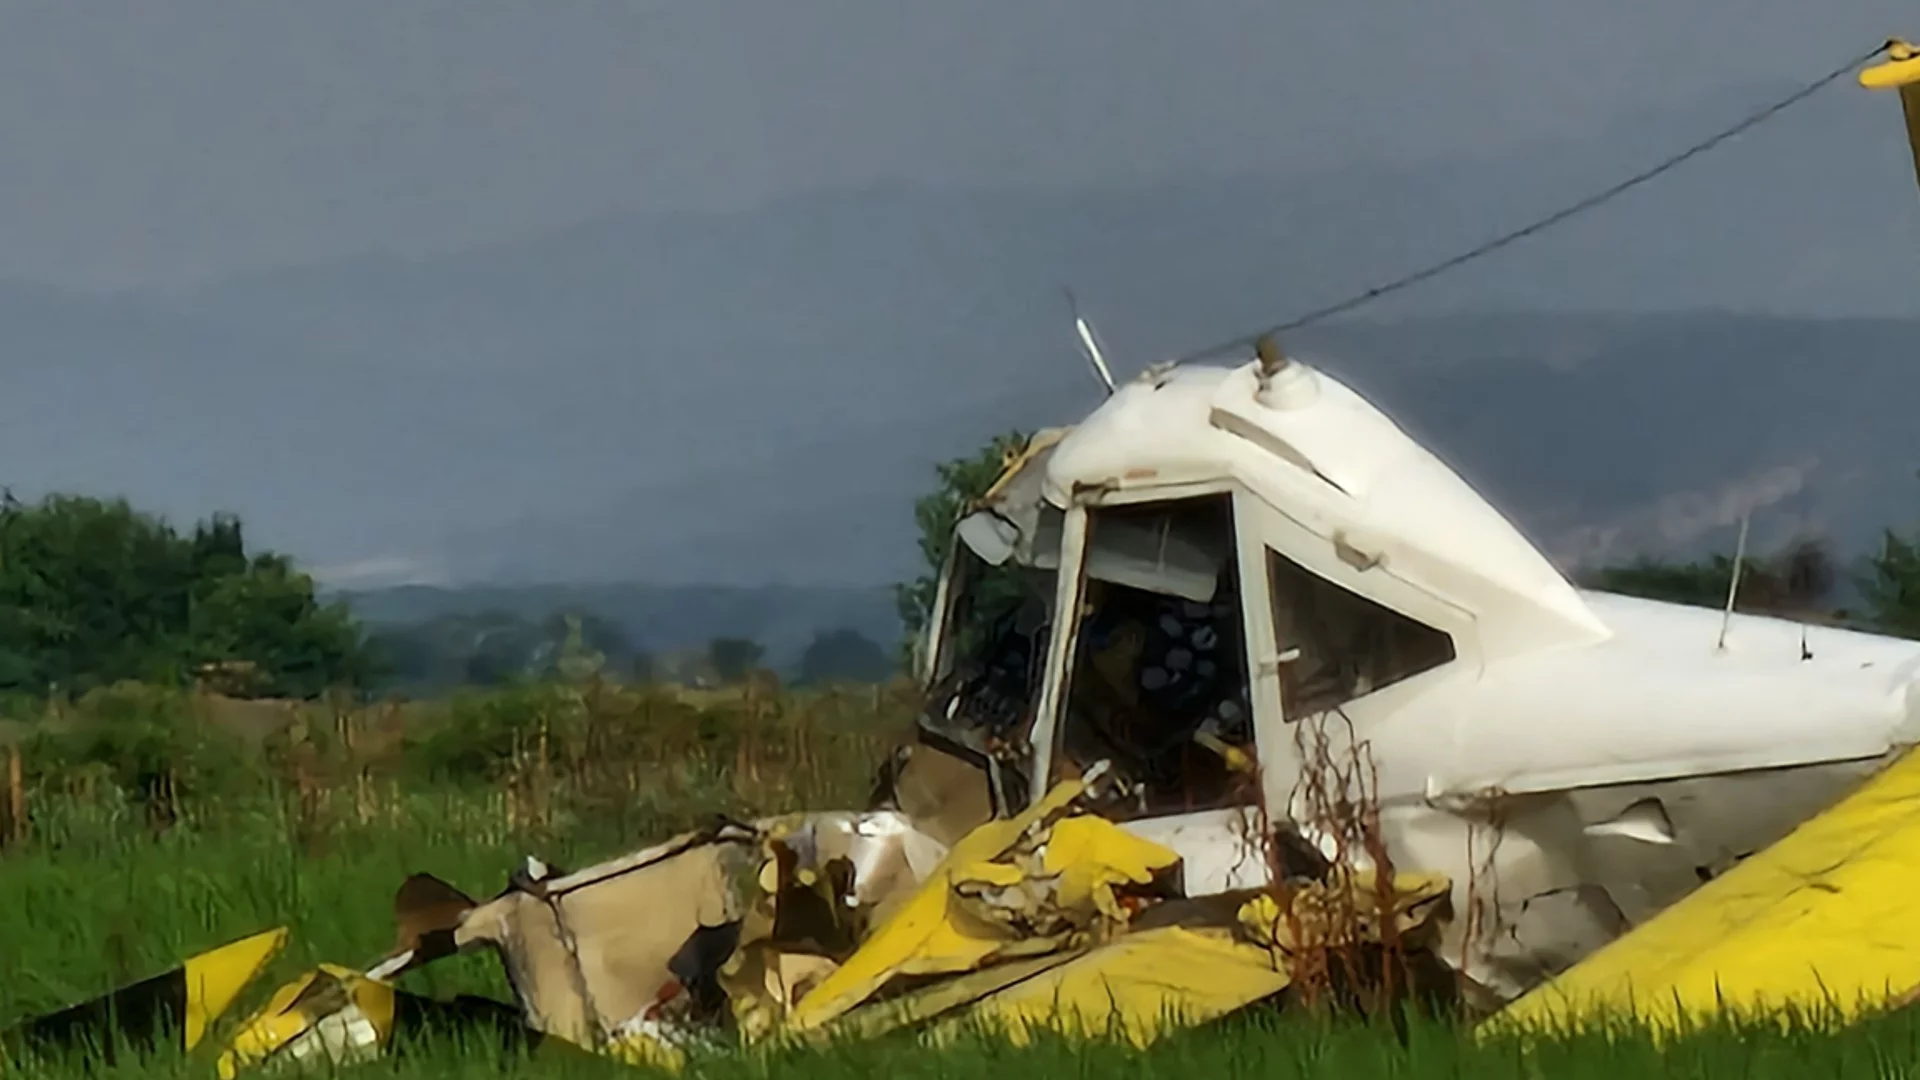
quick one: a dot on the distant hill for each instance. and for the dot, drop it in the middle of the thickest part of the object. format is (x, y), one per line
(655, 619)
(1607, 436)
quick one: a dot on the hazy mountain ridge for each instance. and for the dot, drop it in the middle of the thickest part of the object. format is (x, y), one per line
(754, 397)
(656, 620)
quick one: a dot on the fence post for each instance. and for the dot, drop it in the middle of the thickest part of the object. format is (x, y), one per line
(16, 797)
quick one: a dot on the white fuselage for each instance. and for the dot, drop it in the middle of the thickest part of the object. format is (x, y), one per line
(1579, 761)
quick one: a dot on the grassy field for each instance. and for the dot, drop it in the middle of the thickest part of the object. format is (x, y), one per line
(160, 825)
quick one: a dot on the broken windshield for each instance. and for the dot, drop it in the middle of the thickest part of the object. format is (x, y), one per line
(992, 642)
(995, 637)
(1158, 683)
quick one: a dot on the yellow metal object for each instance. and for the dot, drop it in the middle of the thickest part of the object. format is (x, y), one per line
(938, 998)
(981, 904)
(215, 978)
(194, 994)
(1092, 855)
(1901, 72)
(333, 1011)
(1823, 919)
(1137, 987)
(1040, 441)
(1901, 67)
(1237, 759)
(1146, 983)
(273, 1026)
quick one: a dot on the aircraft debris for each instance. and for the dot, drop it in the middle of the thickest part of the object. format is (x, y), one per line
(181, 1003)
(1231, 678)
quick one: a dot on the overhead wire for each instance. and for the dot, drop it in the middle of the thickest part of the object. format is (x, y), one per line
(1542, 224)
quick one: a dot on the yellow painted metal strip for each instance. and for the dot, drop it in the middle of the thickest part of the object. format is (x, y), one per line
(216, 978)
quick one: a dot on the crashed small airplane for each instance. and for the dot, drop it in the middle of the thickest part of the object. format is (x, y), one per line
(1230, 674)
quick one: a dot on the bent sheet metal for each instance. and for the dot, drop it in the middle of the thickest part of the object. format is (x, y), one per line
(840, 924)
(1819, 924)
(336, 1016)
(1145, 983)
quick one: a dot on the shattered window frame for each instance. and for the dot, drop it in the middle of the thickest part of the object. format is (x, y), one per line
(983, 609)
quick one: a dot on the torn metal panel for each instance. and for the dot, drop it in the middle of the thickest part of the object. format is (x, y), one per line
(587, 951)
(1017, 484)
(1006, 521)
(1056, 945)
(682, 933)
(827, 879)
(1003, 891)
(337, 1016)
(945, 795)
(1498, 858)
(886, 852)
(1543, 879)
(1650, 845)
(1548, 932)
(1148, 981)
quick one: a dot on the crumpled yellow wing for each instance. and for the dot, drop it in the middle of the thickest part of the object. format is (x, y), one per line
(1138, 987)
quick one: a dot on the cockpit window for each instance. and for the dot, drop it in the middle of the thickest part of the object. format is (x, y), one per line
(1159, 684)
(1341, 645)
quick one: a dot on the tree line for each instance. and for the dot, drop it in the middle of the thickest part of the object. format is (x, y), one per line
(1803, 580)
(95, 592)
(499, 648)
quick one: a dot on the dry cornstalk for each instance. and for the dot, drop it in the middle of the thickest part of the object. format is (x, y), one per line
(16, 830)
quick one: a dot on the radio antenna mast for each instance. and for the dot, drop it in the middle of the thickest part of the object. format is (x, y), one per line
(1089, 344)
(1733, 581)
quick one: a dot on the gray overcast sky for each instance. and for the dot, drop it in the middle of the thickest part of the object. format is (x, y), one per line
(156, 143)
(527, 391)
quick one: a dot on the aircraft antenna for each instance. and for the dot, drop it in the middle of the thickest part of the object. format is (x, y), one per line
(1090, 345)
(1733, 583)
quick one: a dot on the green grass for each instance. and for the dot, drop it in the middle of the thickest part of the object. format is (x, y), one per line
(95, 898)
